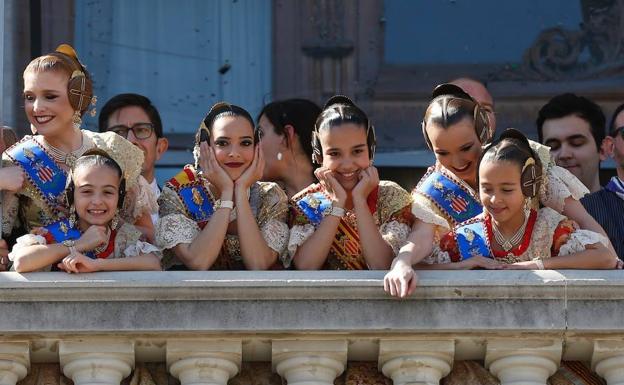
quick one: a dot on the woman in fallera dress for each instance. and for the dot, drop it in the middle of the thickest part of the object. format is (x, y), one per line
(57, 93)
(218, 215)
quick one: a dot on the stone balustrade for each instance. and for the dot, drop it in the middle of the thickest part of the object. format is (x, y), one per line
(308, 325)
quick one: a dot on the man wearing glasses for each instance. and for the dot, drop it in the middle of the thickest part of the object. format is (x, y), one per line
(135, 118)
(607, 205)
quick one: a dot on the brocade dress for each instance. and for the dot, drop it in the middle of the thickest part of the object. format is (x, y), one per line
(186, 206)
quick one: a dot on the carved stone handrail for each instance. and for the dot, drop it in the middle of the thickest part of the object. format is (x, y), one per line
(517, 322)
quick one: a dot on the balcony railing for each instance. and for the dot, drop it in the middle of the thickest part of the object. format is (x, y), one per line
(203, 325)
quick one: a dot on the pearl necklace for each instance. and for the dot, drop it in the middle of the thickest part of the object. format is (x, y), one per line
(508, 244)
(67, 158)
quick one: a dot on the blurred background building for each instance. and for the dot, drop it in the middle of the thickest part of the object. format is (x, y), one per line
(386, 54)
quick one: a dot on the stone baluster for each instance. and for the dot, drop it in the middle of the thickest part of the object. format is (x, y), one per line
(309, 362)
(416, 362)
(523, 361)
(204, 362)
(608, 361)
(96, 361)
(14, 362)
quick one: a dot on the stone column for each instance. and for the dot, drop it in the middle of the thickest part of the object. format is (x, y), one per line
(416, 362)
(608, 361)
(309, 362)
(204, 362)
(523, 361)
(96, 361)
(14, 362)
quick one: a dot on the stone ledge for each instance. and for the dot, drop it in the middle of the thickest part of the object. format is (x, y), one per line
(311, 302)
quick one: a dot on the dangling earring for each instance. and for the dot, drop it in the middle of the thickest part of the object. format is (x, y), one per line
(527, 206)
(72, 216)
(115, 220)
(280, 156)
(77, 120)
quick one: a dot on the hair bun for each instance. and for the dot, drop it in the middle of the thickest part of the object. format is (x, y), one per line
(68, 50)
(338, 99)
(512, 133)
(452, 90)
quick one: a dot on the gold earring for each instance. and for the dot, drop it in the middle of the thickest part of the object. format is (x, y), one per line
(115, 220)
(72, 216)
(77, 119)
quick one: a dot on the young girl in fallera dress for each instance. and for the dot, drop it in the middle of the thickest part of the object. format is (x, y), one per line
(511, 232)
(456, 128)
(350, 220)
(94, 237)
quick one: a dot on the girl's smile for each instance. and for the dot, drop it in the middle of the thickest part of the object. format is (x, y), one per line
(345, 152)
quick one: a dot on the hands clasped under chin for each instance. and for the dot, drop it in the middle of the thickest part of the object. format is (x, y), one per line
(334, 189)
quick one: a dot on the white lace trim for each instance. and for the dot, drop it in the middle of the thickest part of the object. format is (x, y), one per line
(140, 248)
(275, 233)
(437, 256)
(26, 241)
(560, 184)
(298, 235)
(580, 239)
(395, 234)
(173, 229)
(422, 210)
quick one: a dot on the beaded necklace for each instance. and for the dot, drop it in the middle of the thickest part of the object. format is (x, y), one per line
(67, 158)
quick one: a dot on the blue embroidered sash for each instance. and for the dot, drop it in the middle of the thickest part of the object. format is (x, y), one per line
(60, 231)
(472, 240)
(450, 197)
(194, 195)
(313, 206)
(44, 174)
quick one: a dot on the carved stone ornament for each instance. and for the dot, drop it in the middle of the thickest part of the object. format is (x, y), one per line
(594, 51)
(327, 20)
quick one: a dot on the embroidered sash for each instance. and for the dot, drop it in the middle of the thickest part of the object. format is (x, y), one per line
(60, 231)
(314, 206)
(345, 249)
(454, 200)
(472, 240)
(43, 173)
(194, 195)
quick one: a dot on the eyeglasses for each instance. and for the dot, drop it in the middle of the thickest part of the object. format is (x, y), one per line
(619, 130)
(140, 130)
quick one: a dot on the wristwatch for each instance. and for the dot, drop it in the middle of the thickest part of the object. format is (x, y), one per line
(219, 204)
(71, 245)
(335, 211)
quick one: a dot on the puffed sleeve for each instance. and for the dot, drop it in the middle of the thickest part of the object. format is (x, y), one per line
(569, 239)
(273, 217)
(300, 228)
(130, 243)
(10, 203)
(25, 241)
(139, 200)
(396, 217)
(424, 210)
(558, 183)
(298, 235)
(174, 226)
